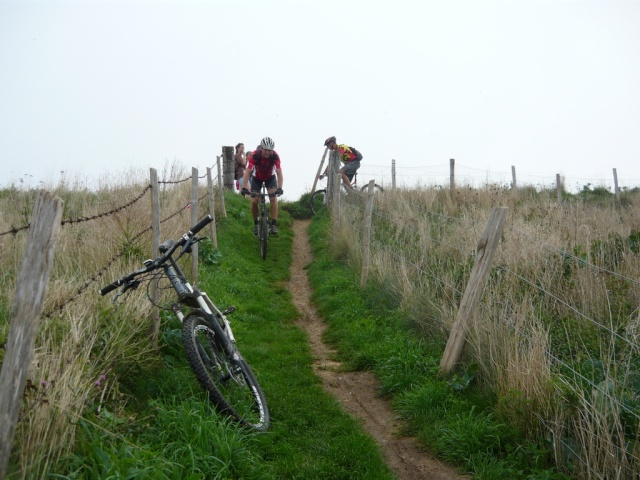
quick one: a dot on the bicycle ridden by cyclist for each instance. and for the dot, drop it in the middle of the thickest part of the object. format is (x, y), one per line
(261, 166)
(349, 156)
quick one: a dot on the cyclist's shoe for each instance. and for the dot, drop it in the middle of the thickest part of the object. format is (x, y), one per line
(255, 229)
(273, 230)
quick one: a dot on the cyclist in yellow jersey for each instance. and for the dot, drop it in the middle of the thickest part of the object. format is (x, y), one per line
(349, 156)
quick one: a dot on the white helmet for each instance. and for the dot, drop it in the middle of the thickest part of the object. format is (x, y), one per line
(267, 143)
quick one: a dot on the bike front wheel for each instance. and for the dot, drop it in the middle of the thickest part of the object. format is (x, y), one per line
(264, 236)
(227, 377)
(318, 201)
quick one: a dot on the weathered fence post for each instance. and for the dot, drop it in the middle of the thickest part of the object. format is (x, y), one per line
(393, 174)
(229, 168)
(31, 289)
(514, 185)
(452, 175)
(155, 251)
(319, 172)
(194, 220)
(558, 188)
(212, 209)
(221, 188)
(615, 185)
(332, 172)
(477, 280)
(366, 241)
(335, 197)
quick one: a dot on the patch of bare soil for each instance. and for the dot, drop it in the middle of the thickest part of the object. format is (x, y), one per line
(358, 391)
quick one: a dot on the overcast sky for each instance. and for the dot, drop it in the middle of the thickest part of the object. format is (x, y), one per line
(548, 86)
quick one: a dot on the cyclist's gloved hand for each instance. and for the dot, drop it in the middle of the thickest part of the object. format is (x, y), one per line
(245, 191)
(279, 191)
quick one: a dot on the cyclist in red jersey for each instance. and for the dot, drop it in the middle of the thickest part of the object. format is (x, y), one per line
(261, 166)
(349, 156)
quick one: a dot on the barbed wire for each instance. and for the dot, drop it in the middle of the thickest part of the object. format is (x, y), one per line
(60, 306)
(15, 230)
(175, 182)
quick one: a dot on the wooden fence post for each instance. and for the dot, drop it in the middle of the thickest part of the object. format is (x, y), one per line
(194, 220)
(229, 167)
(558, 188)
(366, 241)
(212, 209)
(333, 168)
(335, 198)
(155, 251)
(514, 185)
(319, 172)
(452, 175)
(221, 188)
(615, 185)
(31, 289)
(477, 280)
(393, 174)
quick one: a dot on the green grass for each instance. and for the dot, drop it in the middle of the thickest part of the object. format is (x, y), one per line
(455, 418)
(161, 424)
(168, 429)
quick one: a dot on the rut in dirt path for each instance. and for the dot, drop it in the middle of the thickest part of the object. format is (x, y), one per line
(358, 391)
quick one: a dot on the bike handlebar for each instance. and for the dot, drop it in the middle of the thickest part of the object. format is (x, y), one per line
(153, 264)
(255, 194)
(200, 225)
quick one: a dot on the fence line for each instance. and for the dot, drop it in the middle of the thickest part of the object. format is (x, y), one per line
(353, 217)
(40, 397)
(60, 306)
(388, 174)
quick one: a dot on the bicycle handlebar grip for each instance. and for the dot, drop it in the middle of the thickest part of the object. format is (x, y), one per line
(110, 287)
(200, 225)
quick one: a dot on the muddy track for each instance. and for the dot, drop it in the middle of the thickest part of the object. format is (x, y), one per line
(357, 391)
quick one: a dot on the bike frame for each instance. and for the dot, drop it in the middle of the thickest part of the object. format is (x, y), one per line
(210, 346)
(263, 218)
(191, 296)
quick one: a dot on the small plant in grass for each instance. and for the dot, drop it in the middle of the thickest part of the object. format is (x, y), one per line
(207, 254)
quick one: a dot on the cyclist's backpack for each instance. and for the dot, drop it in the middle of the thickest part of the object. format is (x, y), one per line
(357, 154)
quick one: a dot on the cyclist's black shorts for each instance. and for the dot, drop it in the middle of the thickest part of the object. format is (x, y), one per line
(351, 168)
(256, 184)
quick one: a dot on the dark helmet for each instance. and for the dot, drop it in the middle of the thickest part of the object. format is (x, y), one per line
(329, 141)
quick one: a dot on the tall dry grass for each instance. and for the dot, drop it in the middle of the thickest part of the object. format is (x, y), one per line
(556, 333)
(84, 340)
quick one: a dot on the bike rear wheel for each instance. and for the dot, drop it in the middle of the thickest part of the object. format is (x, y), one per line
(232, 386)
(264, 236)
(318, 201)
(376, 188)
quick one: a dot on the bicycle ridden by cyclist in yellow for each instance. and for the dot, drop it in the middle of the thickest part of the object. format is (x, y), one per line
(349, 156)
(261, 166)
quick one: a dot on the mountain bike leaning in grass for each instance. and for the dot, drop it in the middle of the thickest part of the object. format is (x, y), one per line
(263, 168)
(209, 343)
(263, 219)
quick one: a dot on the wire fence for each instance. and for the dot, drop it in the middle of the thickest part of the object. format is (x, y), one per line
(400, 234)
(588, 312)
(95, 246)
(440, 175)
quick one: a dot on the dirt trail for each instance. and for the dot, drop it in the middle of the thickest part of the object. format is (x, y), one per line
(357, 391)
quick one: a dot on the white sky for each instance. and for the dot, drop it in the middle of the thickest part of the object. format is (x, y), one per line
(548, 86)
